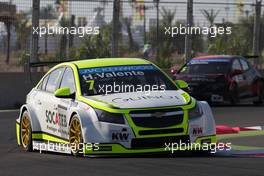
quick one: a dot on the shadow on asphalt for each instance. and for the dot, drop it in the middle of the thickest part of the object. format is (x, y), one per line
(150, 155)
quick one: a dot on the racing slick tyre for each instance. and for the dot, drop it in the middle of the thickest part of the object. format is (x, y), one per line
(260, 93)
(75, 136)
(26, 132)
(234, 97)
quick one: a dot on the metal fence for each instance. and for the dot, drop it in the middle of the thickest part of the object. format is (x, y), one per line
(84, 29)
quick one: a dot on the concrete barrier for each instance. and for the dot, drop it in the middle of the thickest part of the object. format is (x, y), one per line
(14, 87)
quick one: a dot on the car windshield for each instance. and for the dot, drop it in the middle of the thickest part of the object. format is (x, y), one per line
(119, 79)
(206, 67)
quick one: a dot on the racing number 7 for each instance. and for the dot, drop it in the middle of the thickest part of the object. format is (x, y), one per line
(91, 82)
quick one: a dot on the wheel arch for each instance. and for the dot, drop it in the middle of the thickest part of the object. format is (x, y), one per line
(34, 121)
(75, 113)
(85, 121)
(18, 123)
(71, 116)
(209, 120)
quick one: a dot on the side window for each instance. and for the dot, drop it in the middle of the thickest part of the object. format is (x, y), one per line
(244, 65)
(184, 69)
(53, 80)
(236, 65)
(68, 80)
(44, 83)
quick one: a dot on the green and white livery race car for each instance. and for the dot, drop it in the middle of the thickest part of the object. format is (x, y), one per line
(111, 106)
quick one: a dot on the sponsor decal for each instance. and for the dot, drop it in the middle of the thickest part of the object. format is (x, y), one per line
(120, 135)
(114, 72)
(116, 69)
(147, 97)
(56, 118)
(196, 130)
(112, 75)
(206, 61)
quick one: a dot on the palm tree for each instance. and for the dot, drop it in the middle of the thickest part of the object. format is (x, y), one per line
(22, 30)
(168, 16)
(210, 15)
(128, 22)
(104, 4)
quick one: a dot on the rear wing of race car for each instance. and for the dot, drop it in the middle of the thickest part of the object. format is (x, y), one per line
(50, 63)
(251, 57)
(42, 64)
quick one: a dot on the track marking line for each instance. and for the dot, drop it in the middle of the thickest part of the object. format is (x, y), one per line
(9, 110)
(241, 134)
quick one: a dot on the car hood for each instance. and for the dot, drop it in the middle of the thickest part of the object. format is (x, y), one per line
(144, 100)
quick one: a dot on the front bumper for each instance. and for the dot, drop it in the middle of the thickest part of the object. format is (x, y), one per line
(212, 97)
(212, 93)
(197, 130)
(118, 149)
(117, 139)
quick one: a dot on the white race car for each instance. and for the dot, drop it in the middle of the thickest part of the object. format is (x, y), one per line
(111, 106)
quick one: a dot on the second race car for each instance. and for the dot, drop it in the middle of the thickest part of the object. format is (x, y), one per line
(223, 79)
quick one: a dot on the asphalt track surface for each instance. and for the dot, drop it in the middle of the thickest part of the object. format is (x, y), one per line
(14, 162)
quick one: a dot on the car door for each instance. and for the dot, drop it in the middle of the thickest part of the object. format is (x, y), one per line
(239, 79)
(37, 97)
(64, 104)
(49, 112)
(248, 76)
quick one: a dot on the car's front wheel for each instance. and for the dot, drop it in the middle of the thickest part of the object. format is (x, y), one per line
(75, 136)
(26, 132)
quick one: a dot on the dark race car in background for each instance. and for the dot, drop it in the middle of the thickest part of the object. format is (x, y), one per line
(222, 79)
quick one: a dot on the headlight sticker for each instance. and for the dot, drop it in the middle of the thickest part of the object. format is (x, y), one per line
(186, 97)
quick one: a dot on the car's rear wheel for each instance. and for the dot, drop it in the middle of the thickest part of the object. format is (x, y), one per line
(25, 132)
(75, 136)
(260, 93)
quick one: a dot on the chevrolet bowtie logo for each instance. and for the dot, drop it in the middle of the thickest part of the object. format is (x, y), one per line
(158, 114)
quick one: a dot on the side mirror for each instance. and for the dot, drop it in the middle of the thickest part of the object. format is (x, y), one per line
(64, 92)
(182, 84)
(236, 72)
